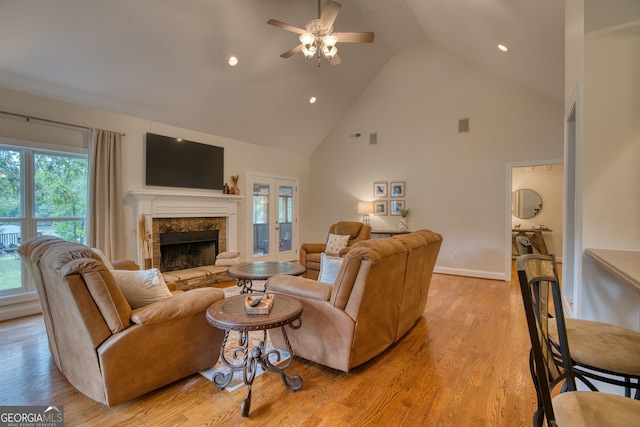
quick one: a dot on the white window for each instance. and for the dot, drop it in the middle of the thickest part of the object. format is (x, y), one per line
(42, 191)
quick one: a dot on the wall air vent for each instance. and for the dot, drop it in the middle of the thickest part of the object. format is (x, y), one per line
(373, 138)
(463, 125)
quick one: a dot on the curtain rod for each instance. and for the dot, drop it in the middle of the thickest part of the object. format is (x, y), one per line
(28, 118)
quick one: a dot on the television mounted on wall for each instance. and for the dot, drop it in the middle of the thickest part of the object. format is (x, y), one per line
(175, 162)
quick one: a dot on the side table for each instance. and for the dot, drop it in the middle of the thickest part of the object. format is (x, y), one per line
(247, 272)
(230, 314)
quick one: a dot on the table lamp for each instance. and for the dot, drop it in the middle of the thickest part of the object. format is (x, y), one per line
(365, 208)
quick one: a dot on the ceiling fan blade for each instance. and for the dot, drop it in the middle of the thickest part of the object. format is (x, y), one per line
(354, 37)
(292, 51)
(329, 14)
(335, 60)
(287, 27)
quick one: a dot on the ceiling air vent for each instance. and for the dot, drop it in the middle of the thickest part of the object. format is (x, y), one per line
(463, 125)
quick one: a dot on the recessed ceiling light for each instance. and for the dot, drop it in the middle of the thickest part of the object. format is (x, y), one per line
(503, 48)
(233, 61)
(312, 100)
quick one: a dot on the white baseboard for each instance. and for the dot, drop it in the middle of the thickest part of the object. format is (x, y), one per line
(20, 309)
(481, 274)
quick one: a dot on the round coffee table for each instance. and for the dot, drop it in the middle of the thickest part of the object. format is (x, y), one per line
(230, 314)
(262, 270)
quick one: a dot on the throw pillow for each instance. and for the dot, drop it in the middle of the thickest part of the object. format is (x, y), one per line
(103, 258)
(141, 287)
(226, 262)
(227, 255)
(336, 242)
(329, 268)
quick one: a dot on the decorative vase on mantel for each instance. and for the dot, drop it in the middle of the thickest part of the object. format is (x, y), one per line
(404, 222)
(235, 189)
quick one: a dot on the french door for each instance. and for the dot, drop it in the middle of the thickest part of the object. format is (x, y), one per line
(272, 211)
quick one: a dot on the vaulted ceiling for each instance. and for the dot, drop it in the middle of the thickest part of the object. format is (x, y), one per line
(166, 60)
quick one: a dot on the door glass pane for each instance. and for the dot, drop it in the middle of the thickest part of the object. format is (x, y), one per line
(261, 219)
(285, 217)
(10, 264)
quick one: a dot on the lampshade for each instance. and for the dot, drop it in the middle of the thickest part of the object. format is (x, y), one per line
(365, 208)
(329, 53)
(309, 51)
(307, 39)
(330, 41)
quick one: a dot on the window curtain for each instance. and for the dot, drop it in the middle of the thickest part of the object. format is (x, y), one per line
(105, 193)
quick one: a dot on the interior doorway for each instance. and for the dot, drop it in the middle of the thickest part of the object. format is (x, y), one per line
(535, 208)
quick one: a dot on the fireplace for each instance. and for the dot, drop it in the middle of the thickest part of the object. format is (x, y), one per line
(182, 243)
(169, 212)
(188, 249)
(176, 212)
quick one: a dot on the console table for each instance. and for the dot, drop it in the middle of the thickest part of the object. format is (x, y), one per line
(535, 237)
(380, 234)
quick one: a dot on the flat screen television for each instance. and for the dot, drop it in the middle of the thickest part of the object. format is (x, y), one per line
(173, 162)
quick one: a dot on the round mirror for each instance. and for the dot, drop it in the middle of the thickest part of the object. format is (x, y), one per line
(525, 204)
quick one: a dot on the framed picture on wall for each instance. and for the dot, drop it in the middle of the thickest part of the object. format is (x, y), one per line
(380, 208)
(380, 189)
(396, 207)
(397, 188)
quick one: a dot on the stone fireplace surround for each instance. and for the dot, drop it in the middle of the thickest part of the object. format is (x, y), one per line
(182, 210)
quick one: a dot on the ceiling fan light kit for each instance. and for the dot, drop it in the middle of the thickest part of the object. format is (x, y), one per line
(318, 37)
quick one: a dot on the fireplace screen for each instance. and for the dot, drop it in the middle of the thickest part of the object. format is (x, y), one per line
(190, 249)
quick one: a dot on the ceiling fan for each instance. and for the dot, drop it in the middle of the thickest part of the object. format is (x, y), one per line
(318, 36)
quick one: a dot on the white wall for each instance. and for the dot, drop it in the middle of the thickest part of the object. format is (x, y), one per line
(239, 156)
(455, 183)
(547, 181)
(611, 153)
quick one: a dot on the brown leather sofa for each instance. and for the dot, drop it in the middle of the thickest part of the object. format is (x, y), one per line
(379, 294)
(310, 252)
(106, 350)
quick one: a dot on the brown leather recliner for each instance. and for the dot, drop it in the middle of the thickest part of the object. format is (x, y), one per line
(106, 350)
(310, 252)
(379, 294)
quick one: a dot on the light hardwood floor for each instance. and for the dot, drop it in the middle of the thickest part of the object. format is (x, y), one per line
(465, 363)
